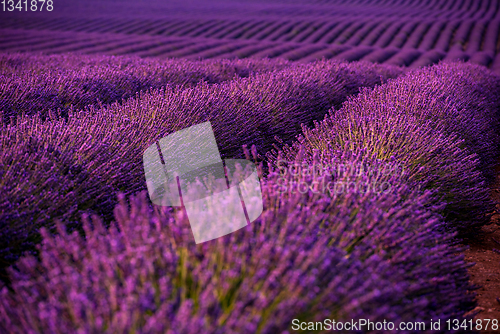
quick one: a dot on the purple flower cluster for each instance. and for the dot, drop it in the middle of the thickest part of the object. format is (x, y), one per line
(60, 168)
(456, 99)
(308, 257)
(440, 123)
(69, 81)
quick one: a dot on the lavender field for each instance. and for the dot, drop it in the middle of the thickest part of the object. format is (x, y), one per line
(374, 126)
(411, 33)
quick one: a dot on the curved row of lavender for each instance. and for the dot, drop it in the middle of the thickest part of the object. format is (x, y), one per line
(380, 255)
(70, 81)
(441, 123)
(59, 168)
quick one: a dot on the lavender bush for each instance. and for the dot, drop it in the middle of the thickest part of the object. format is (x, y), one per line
(71, 81)
(426, 121)
(307, 257)
(459, 99)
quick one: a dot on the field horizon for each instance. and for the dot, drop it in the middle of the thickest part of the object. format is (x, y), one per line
(403, 33)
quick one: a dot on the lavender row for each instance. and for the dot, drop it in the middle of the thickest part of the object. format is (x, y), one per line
(440, 123)
(57, 168)
(309, 256)
(76, 81)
